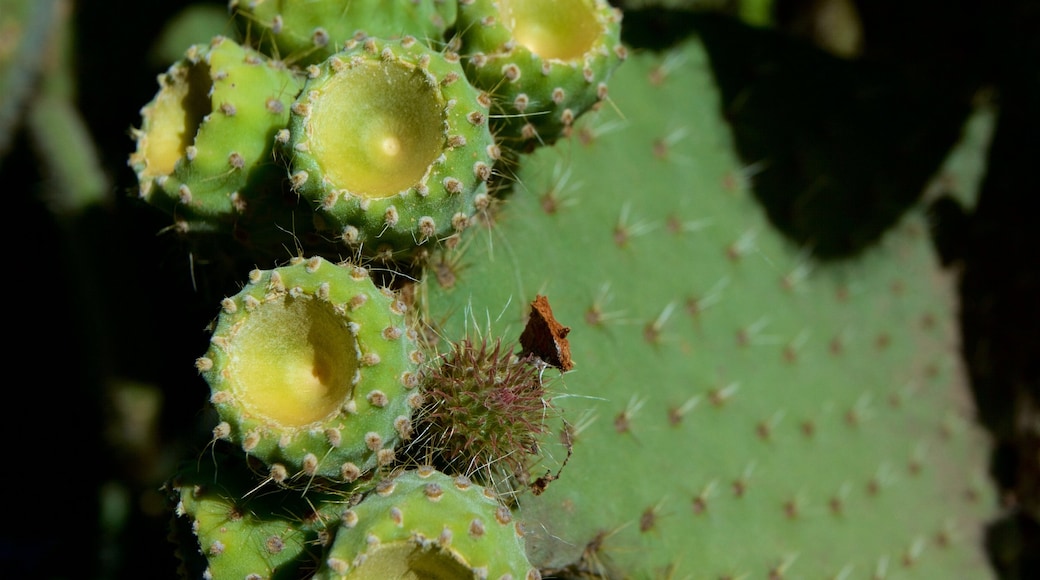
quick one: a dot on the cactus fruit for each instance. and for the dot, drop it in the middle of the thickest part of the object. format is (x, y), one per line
(391, 145)
(226, 528)
(485, 411)
(545, 62)
(313, 370)
(306, 32)
(424, 524)
(737, 408)
(204, 149)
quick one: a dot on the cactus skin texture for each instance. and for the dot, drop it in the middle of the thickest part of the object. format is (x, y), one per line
(305, 32)
(204, 149)
(313, 370)
(233, 531)
(424, 524)
(546, 62)
(391, 145)
(737, 409)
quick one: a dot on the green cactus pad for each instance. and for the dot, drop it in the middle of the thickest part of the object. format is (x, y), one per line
(204, 149)
(545, 62)
(225, 528)
(391, 145)
(312, 369)
(736, 409)
(425, 524)
(307, 32)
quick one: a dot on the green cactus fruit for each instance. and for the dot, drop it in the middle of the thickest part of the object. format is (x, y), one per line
(737, 408)
(224, 527)
(391, 145)
(545, 62)
(204, 149)
(313, 369)
(306, 32)
(425, 524)
(485, 410)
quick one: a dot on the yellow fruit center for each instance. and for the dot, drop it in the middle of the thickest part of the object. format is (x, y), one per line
(174, 119)
(375, 128)
(293, 362)
(557, 29)
(407, 561)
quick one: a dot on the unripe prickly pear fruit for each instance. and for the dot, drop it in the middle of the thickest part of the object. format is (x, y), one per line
(425, 524)
(224, 529)
(485, 410)
(307, 31)
(313, 370)
(391, 144)
(203, 152)
(545, 62)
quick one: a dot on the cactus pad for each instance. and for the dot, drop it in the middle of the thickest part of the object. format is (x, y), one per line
(546, 62)
(312, 369)
(391, 145)
(425, 524)
(736, 408)
(203, 151)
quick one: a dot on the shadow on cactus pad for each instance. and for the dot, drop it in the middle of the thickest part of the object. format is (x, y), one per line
(837, 149)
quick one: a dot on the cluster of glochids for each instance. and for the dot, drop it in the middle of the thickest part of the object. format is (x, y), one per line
(383, 126)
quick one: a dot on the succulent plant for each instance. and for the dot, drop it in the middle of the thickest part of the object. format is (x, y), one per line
(723, 403)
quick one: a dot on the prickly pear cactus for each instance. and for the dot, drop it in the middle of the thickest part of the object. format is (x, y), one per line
(313, 370)
(736, 408)
(422, 523)
(703, 399)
